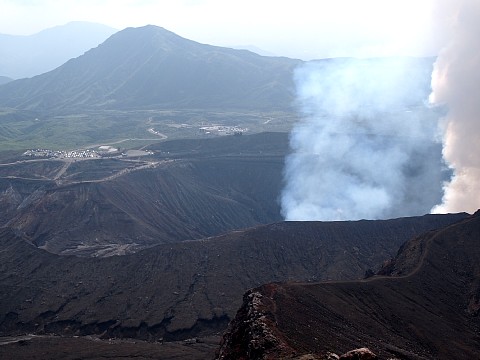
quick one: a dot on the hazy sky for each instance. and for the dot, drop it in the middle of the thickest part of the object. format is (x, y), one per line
(298, 28)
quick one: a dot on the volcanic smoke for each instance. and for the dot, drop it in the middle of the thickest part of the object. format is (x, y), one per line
(456, 85)
(365, 145)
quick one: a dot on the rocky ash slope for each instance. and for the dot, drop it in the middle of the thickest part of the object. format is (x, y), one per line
(425, 304)
(188, 189)
(194, 189)
(176, 291)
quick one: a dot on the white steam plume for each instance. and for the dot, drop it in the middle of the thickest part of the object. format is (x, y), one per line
(364, 148)
(456, 84)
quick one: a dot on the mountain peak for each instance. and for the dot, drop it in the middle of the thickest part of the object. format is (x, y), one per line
(152, 35)
(151, 67)
(148, 29)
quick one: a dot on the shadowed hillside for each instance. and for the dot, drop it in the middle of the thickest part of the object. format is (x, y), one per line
(186, 190)
(425, 306)
(177, 291)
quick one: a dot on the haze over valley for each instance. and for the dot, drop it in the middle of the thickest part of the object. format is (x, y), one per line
(23, 56)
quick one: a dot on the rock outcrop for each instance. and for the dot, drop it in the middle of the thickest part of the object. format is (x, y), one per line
(359, 354)
(424, 307)
(253, 333)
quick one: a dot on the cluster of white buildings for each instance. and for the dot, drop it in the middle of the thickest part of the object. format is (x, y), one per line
(106, 149)
(62, 154)
(223, 130)
(155, 132)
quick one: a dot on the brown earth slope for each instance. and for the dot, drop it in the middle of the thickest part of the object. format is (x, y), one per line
(181, 290)
(425, 307)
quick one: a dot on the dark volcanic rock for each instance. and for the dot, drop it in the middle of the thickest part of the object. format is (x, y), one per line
(253, 333)
(425, 310)
(188, 189)
(182, 290)
(359, 354)
(30, 347)
(209, 188)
